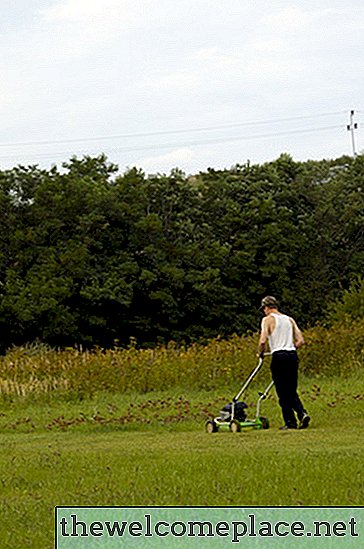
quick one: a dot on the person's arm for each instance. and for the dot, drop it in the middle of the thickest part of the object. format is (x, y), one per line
(263, 337)
(297, 335)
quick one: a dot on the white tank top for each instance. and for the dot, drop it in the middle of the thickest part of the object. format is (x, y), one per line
(281, 339)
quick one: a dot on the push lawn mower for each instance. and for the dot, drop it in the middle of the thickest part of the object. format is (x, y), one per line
(233, 417)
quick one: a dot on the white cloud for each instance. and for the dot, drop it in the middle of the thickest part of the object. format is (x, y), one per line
(312, 23)
(259, 58)
(77, 10)
(78, 27)
(217, 57)
(288, 19)
(180, 80)
(82, 25)
(86, 11)
(81, 11)
(179, 158)
(269, 46)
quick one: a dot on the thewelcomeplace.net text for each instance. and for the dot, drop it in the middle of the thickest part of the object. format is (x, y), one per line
(233, 530)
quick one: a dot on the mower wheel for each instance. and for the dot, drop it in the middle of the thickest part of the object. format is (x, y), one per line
(265, 422)
(211, 427)
(235, 426)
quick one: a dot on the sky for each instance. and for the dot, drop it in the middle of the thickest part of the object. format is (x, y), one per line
(188, 84)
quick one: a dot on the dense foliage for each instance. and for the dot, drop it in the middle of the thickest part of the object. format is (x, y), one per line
(91, 257)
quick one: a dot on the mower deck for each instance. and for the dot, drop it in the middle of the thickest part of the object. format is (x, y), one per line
(233, 417)
(235, 426)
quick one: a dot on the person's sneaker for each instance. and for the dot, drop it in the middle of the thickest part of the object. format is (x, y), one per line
(287, 427)
(304, 422)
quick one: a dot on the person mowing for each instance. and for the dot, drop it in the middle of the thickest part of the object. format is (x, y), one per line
(284, 337)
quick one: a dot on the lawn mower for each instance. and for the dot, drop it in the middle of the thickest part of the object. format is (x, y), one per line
(233, 416)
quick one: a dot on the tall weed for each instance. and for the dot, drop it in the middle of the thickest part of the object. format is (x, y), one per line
(334, 351)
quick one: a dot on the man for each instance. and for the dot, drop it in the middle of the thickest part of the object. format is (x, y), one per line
(284, 338)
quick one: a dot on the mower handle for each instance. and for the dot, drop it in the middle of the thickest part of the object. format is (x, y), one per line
(249, 380)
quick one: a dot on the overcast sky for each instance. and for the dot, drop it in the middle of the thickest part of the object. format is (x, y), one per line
(191, 84)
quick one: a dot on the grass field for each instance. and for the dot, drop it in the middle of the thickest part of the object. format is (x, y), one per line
(151, 449)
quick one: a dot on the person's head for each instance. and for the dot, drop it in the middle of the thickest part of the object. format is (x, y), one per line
(269, 304)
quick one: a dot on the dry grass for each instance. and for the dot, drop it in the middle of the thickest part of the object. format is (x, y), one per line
(39, 369)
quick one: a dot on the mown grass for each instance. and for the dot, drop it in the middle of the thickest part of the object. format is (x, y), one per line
(169, 459)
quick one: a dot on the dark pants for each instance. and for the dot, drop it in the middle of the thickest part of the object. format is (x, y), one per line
(284, 367)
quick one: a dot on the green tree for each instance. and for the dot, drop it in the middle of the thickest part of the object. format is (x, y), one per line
(91, 256)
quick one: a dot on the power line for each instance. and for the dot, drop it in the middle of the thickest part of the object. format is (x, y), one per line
(171, 132)
(191, 143)
(226, 139)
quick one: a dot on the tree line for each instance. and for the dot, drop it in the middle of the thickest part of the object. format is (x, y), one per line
(92, 257)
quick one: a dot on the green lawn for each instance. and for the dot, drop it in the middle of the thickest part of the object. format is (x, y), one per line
(106, 452)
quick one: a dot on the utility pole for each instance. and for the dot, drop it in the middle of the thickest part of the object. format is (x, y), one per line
(351, 128)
